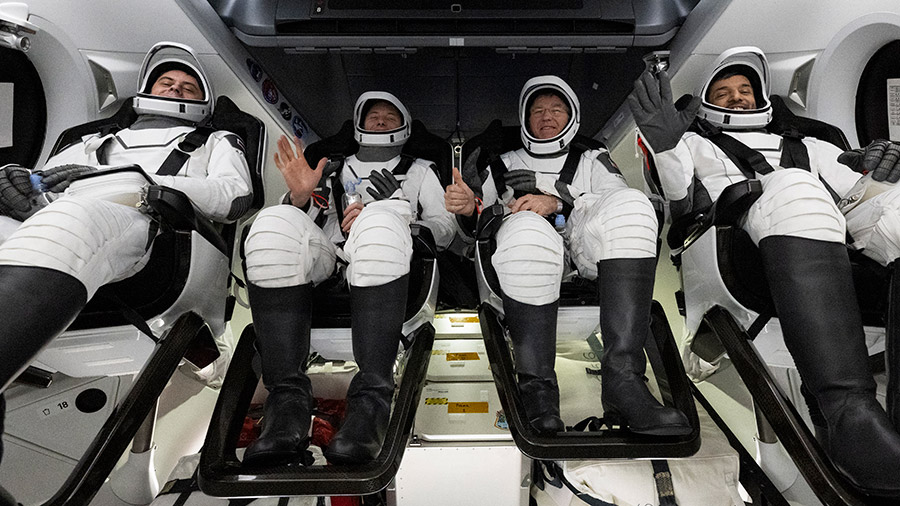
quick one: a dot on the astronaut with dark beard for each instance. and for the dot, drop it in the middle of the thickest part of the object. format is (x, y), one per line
(800, 231)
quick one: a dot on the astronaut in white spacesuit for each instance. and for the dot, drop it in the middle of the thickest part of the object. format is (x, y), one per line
(62, 252)
(611, 236)
(800, 231)
(296, 245)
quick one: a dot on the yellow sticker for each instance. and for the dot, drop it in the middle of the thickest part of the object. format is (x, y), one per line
(467, 407)
(464, 319)
(467, 355)
(434, 401)
(438, 352)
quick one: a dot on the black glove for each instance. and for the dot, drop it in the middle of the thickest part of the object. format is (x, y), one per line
(881, 157)
(661, 124)
(522, 180)
(57, 179)
(385, 185)
(16, 192)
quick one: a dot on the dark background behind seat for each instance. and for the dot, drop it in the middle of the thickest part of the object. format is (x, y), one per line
(29, 109)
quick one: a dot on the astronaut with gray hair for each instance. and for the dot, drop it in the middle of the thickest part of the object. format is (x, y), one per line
(296, 245)
(612, 237)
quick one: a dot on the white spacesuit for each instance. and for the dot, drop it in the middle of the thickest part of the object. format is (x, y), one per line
(610, 235)
(97, 233)
(800, 231)
(289, 249)
(98, 241)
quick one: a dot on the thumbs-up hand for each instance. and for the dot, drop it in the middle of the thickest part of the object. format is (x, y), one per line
(458, 197)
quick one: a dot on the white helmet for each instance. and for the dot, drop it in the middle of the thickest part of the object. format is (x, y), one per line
(552, 84)
(751, 63)
(395, 137)
(161, 58)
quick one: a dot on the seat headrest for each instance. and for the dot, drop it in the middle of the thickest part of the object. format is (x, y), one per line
(421, 144)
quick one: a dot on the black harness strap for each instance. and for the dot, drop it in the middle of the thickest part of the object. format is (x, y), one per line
(795, 154)
(665, 490)
(177, 158)
(101, 152)
(751, 162)
(566, 174)
(748, 160)
(793, 150)
(403, 165)
(337, 188)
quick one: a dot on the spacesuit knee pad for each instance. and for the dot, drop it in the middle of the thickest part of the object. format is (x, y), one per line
(529, 259)
(875, 226)
(379, 245)
(95, 241)
(286, 248)
(612, 224)
(794, 203)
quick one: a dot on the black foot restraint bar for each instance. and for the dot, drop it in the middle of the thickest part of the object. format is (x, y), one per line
(724, 335)
(829, 486)
(576, 445)
(119, 430)
(223, 475)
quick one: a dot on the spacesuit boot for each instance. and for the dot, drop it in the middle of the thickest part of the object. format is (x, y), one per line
(6, 499)
(626, 293)
(38, 305)
(377, 314)
(892, 363)
(820, 426)
(813, 293)
(532, 330)
(281, 318)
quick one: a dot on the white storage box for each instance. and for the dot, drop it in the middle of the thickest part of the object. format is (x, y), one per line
(459, 360)
(461, 412)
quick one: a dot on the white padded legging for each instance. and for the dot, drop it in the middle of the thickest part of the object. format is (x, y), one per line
(530, 258)
(875, 226)
(96, 241)
(794, 203)
(286, 248)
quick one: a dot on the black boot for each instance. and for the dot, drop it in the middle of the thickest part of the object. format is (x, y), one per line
(532, 330)
(813, 294)
(892, 349)
(892, 360)
(281, 318)
(820, 426)
(2, 418)
(6, 499)
(36, 305)
(626, 294)
(377, 314)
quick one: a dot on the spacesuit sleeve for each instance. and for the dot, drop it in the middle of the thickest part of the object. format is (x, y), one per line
(604, 175)
(225, 193)
(434, 214)
(676, 170)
